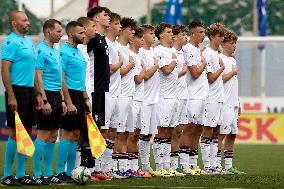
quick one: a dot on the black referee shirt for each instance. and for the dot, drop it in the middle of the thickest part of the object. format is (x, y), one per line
(99, 47)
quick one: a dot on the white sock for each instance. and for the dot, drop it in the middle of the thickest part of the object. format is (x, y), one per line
(167, 153)
(205, 150)
(78, 157)
(228, 157)
(122, 161)
(219, 159)
(106, 160)
(122, 164)
(213, 151)
(159, 154)
(114, 160)
(184, 157)
(134, 164)
(174, 160)
(195, 160)
(156, 148)
(193, 156)
(128, 164)
(98, 165)
(144, 150)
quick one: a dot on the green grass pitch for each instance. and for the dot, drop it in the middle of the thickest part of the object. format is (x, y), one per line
(264, 165)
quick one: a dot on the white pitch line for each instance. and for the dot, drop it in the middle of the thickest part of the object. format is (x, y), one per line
(175, 187)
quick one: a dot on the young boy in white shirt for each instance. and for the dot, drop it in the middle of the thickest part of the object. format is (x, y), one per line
(112, 110)
(179, 40)
(168, 118)
(215, 99)
(231, 107)
(151, 95)
(197, 84)
(127, 72)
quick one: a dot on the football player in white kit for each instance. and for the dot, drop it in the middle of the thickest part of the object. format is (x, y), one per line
(231, 108)
(197, 84)
(167, 108)
(179, 40)
(215, 99)
(128, 26)
(112, 110)
(151, 96)
(138, 111)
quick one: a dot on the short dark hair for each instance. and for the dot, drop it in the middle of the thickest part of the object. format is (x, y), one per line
(138, 32)
(12, 16)
(160, 28)
(179, 29)
(50, 24)
(96, 10)
(147, 27)
(84, 20)
(71, 25)
(127, 22)
(194, 24)
(114, 17)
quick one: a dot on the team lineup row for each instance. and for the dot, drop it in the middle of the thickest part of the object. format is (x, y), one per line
(173, 91)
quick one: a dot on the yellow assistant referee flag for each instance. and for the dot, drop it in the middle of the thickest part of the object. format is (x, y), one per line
(25, 144)
(96, 140)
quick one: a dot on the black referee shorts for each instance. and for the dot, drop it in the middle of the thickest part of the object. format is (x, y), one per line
(25, 97)
(54, 120)
(77, 121)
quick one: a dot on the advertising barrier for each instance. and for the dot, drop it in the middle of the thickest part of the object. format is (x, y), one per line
(261, 129)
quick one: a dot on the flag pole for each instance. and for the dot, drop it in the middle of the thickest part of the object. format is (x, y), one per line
(149, 12)
(51, 8)
(20, 5)
(254, 51)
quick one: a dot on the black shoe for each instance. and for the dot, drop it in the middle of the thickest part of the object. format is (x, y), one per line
(41, 181)
(10, 181)
(54, 180)
(64, 178)
(27, 180)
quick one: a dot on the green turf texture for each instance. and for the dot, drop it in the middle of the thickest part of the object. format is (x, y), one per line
(264, 165)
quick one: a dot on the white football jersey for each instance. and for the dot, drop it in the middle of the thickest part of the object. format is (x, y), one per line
(89, 84)
(168, 83)
(139, 88)
(152, 85)
(127, 81)
(216, 89)
(231, 97)
(115, 78)
(197, 88)
(182, 92)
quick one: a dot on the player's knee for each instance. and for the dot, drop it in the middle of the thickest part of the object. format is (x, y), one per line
(221, 137)
(136, 136)
(76, 135)
(53, 136)
(12, 133)
(232, 136)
